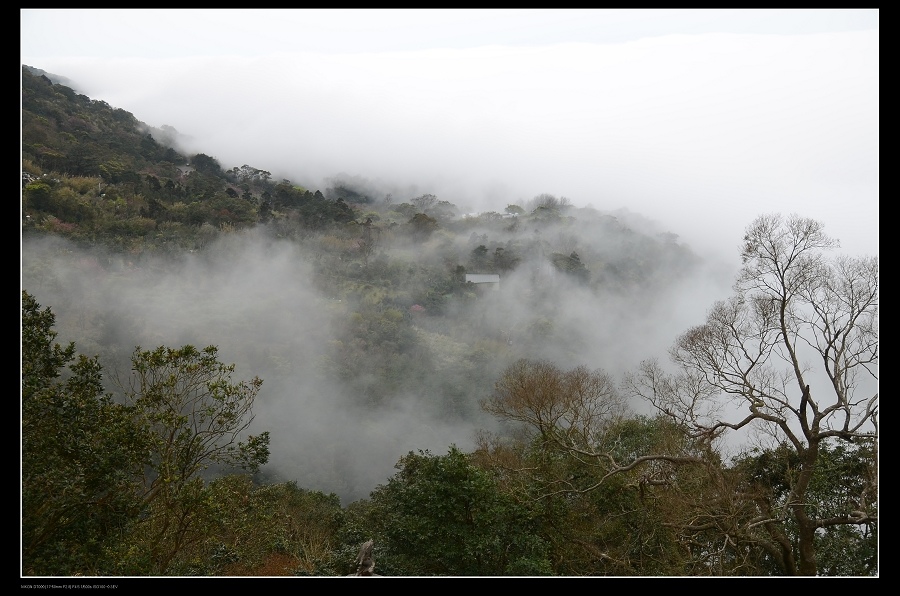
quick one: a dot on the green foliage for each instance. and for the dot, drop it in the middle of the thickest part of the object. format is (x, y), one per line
(244, 525)
(570, 265)
(207, 165)
(478, 258)
(81, 455)
(441, 515)
(505, 259)
(842, 473)
(443, 211)
(610, 485)
(421, 226)
(37, 196)
(116, 487)
(249, 174)
(602, 514)
(192, 416)
(186, 397)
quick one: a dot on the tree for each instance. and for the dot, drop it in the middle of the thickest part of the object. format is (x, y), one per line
(843, 470)
(421, 226)
(547, 202)
(38, 196)
(441, 515)
(443, 211)
(197, 413)
(193, 416)
(249, 174)
(505, 259)
(81, 454)
(579, 414)
(570, 265)
(206, 164)
(268, 529)
(599, 523)
(423, 203)
(116, 488)
(791, 303)
(368, 242)
(479, 258)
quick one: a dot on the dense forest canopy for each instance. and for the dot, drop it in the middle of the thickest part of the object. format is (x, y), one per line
(533, 429)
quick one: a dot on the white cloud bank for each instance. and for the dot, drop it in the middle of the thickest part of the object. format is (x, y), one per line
(701, 132)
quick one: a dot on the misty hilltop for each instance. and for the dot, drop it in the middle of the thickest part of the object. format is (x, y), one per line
(352, 298)
(269, 376)
(449, 293)
(358, 304)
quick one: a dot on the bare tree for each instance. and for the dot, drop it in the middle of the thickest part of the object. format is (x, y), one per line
(791, 303)
(576, 413)
(368, 242)
(424, 202)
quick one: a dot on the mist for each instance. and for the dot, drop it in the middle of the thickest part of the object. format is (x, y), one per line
(253, 296)
(700, 133)
(686, 133)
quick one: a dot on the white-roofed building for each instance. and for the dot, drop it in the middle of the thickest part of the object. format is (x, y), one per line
(486, 281)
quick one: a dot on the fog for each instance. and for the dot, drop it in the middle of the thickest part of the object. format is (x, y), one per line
(694, 130)
(254, 298)
(701, 120)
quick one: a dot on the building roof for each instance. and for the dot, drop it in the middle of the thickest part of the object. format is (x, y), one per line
(483, 278)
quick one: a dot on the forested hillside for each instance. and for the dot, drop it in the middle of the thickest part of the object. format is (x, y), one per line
(503, 360)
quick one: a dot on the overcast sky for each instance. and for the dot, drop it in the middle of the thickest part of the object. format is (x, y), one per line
(698, 119)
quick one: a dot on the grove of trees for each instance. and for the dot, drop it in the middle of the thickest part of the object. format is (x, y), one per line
(113, 485)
